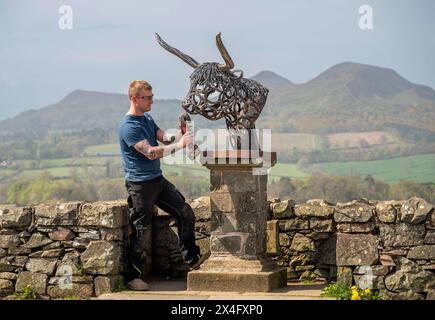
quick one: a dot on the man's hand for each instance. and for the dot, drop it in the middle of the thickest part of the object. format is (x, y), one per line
(153, 153)
(185, 140)
(168, 138)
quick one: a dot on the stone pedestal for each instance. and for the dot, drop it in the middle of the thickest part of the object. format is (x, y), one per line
(238, 202)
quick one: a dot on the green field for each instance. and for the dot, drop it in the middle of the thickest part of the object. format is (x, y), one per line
(287, 170)
(279, 170)
(196, 170)
(6, 171)
(62, 172)
(102, 148)
(419, 168)
(87, 166)
(288, 141)
(82, 161)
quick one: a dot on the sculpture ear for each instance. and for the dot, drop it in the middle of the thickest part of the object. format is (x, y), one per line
(234, 74)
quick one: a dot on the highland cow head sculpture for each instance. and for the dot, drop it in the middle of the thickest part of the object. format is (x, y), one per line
(217, 91)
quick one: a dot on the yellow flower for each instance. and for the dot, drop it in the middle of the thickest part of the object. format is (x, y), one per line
(355, 297)
(353, 287)
(367, 291)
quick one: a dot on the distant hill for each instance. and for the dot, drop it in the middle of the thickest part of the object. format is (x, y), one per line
(271, 80)
(78, 110)
(86, 110)
(348, 97)
(365, 82)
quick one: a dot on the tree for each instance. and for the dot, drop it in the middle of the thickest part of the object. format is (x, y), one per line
(325, 143)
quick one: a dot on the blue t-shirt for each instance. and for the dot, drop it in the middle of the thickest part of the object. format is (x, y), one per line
(131, 130)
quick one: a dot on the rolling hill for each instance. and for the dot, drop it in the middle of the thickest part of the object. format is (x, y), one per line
(351, 97)
(271, 79)
(348, 97)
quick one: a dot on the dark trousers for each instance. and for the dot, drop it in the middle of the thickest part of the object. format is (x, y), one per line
(142, 196)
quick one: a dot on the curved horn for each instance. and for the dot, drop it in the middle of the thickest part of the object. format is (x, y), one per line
(229, 64)
(189, 60)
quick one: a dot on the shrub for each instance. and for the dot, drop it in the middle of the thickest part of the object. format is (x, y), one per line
(337, 291)
(120, 286)
(27, 293)
(342, 292)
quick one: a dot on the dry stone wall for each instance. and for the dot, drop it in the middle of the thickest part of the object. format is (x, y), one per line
(388, 245)
(61, 250)
(78, 249)
(385, 245)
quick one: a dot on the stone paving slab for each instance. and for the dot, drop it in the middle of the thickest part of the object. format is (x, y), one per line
(162, 289)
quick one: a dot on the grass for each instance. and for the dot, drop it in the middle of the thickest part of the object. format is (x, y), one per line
(7, 173)
(102, 148)
(309, 281)
(420, 168)
(341, 292)
(287, 170)
(120, 286)
(80, 269)
(28, 293)
(279, 170)
(62, 172)
(57, 172)
(351, 139)
(337, 291)
(288, 141)
(82, 161)
(181, 170)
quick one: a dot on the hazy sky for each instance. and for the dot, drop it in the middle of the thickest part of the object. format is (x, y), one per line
(112, 43)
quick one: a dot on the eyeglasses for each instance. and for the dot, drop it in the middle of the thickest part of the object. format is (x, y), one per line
(146, 97)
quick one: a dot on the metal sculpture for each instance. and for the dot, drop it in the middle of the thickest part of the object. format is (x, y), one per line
(217, 91)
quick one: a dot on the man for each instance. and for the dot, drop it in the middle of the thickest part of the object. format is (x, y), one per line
(138, 135)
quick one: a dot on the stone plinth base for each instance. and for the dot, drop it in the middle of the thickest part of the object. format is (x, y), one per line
(237, 273)
(238, 205)
(236, 281)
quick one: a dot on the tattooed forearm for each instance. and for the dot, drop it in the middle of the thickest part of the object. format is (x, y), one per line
(156, 152)
(144, 147)
(162, 151)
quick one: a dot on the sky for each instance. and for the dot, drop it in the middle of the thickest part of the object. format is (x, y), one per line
(111, 43)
